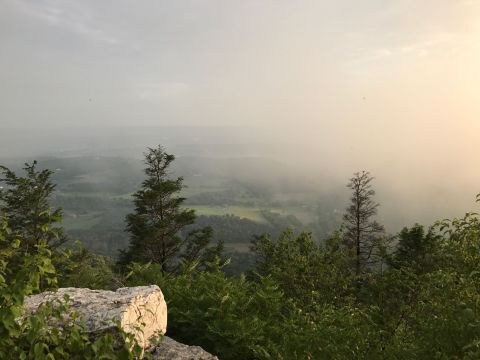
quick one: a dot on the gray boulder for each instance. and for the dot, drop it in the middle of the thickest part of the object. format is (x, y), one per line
(170, 349)
(141, 310)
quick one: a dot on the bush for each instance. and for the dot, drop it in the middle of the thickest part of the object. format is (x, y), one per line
(49, 333)
(236, 318)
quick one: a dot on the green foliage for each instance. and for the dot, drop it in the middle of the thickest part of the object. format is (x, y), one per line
(79, 267)
(236, 318)
(229, 317)
(415, 249)
(14, 287)
(302, 302)
(461, 242)
(159, 217)
(429, 303)
(306, 272)
(52, 332)
(25, 203)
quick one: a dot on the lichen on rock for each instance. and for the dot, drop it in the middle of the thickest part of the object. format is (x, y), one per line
(141, 311)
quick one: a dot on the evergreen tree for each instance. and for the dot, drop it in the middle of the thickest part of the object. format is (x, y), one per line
(159, 217)
(362, 234)
(25, 202)
(415, 248)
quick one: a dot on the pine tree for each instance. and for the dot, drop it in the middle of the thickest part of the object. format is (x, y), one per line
(416, 248)
(25, 202)
(362, 233)
(159, 217)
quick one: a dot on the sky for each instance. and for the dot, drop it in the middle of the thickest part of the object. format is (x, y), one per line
(390, 86)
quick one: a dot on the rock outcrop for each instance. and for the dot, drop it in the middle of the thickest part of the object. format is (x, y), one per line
(170, 349)
(141, 311)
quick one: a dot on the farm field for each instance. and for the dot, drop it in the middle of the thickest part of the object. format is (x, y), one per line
(95, 193)
(83, 221)
(251, 213)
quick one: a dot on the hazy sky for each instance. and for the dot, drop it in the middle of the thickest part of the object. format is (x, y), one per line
(391, 81)
(391, 86)
(376, 65)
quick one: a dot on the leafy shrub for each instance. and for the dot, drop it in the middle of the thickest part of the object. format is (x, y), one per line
(306, 272)
(79, 267)
(237, 318)
(47, 334)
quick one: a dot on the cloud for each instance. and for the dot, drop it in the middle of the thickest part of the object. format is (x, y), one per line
(65, 15)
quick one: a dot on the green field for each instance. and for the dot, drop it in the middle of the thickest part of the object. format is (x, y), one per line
(253, 214)
(82, 222)
(96, 195)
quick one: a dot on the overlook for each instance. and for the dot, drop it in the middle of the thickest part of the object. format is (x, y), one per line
(225, 180)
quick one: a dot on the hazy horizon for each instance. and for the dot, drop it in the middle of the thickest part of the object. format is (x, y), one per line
(328, 87)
